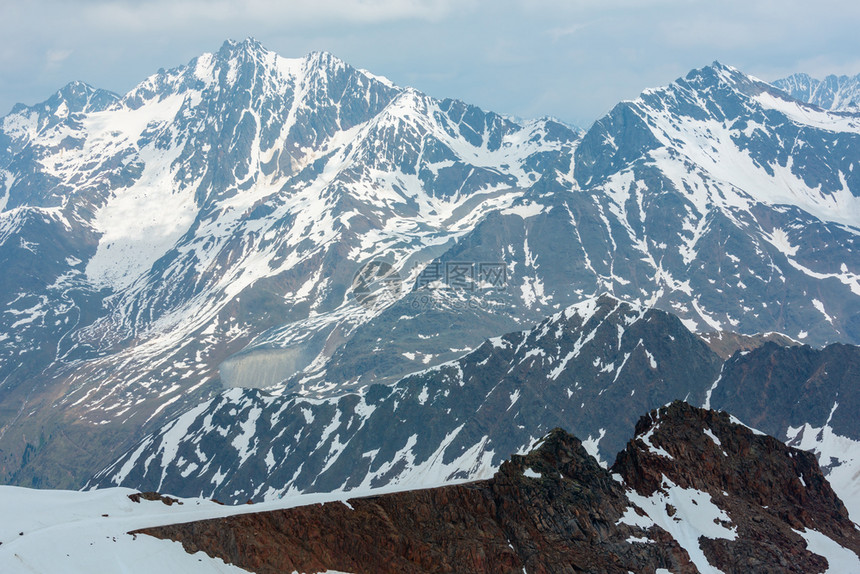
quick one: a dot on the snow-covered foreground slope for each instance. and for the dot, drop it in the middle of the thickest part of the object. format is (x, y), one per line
(83, 532)
(50, 531)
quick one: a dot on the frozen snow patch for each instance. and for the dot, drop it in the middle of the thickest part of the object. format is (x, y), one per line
(591, 445)
(839, 558)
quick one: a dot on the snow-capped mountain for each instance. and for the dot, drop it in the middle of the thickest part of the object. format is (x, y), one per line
(718, 198)
(212, 226)
(152, 236)
(836, 93)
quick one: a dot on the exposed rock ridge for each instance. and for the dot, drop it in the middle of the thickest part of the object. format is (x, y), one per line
(768, 490)
(566, 520)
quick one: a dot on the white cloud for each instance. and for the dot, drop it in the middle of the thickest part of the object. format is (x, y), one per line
(56, 57)
(288, 14)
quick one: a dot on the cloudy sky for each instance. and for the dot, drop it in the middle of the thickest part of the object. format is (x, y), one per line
(572, 59)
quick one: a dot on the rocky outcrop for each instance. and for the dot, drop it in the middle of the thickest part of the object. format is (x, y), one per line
(767, 490)
(557, 510)
(153, 496)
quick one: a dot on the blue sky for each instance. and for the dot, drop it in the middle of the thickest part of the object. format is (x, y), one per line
(570, 59)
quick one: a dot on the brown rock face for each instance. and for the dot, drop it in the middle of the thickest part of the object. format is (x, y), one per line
(767, 488)
(556, 510)
(153, 496)
(564, 521)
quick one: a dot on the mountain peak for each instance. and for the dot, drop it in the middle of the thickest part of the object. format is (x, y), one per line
(74, 97)
(718, 74)
(82, 97)
(248, 45)
(719, 66)
(678, 435)
(325, 63)
(250, 49)
(557, 451)
(235, 55)
(322, 56)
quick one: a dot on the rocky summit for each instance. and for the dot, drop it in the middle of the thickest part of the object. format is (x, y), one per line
(773, 504)
(692, 492)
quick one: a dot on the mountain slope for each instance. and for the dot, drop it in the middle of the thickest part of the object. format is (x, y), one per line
(805, 397)
(589, 368)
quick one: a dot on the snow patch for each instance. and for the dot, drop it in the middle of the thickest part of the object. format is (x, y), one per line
(591, 446)
(695, 516)
(839, 458)
(529, 473)
(839, 558)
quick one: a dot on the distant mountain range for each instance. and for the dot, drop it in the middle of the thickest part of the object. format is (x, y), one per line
(253, 221)
(836, 93)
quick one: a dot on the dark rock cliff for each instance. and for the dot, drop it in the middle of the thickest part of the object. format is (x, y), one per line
(768, 490)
